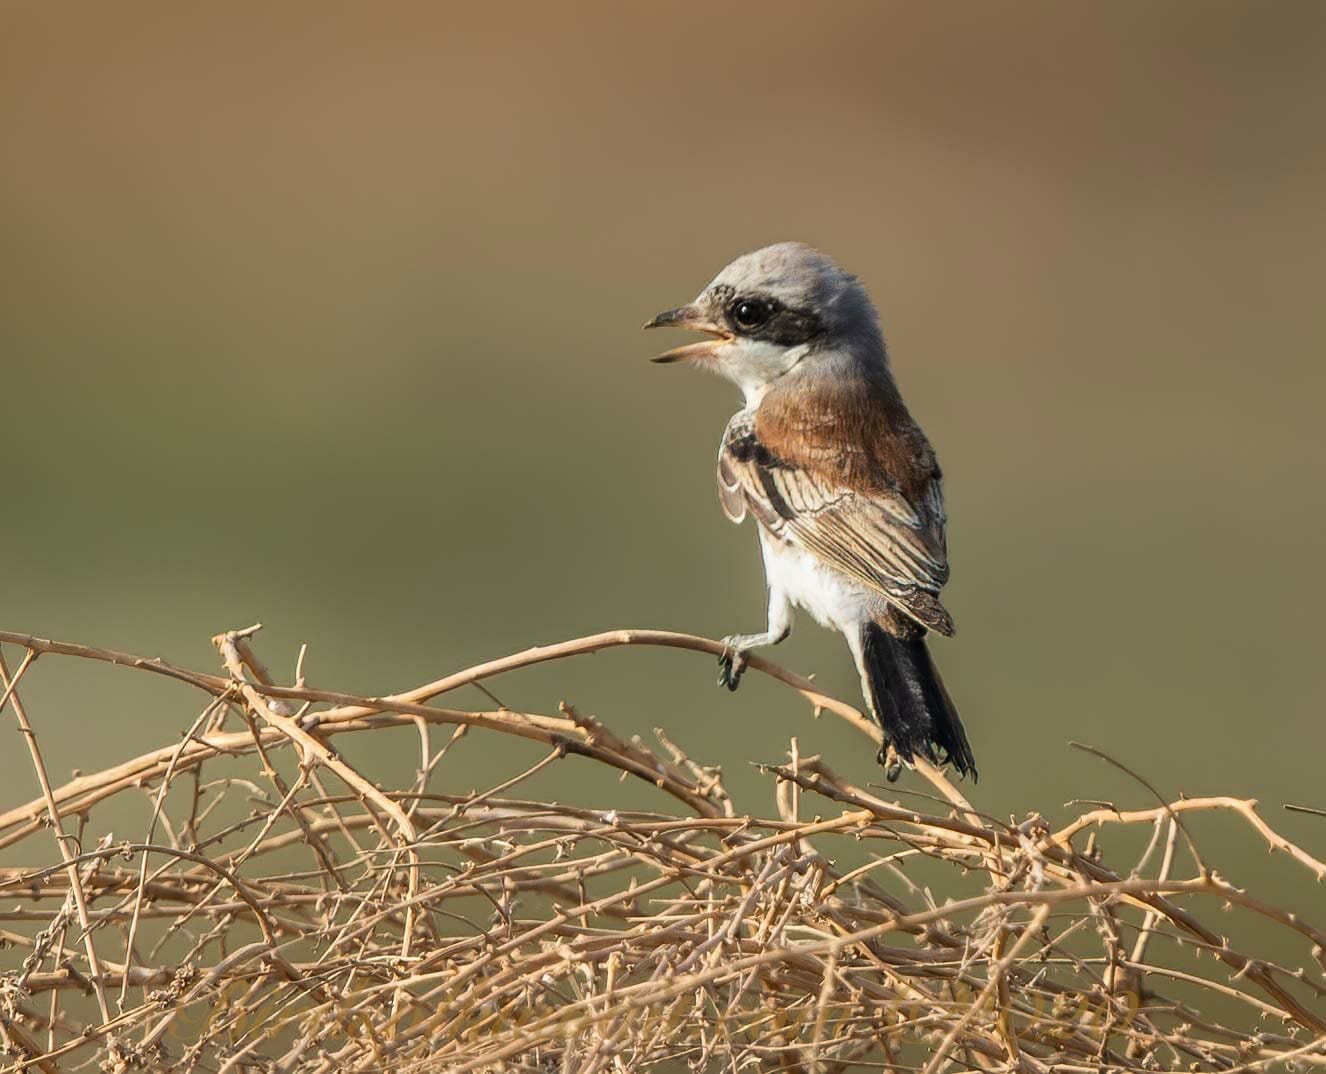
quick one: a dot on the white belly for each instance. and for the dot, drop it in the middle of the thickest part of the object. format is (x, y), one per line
(833, 599)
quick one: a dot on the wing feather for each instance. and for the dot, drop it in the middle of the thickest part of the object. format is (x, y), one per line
(730, 494)
(878, 536)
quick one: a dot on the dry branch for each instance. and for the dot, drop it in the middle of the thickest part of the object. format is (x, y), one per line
(315, 921)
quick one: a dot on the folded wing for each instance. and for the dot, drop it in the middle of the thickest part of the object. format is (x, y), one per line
(847, 512)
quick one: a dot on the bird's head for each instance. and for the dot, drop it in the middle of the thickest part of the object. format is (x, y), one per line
(781, 308)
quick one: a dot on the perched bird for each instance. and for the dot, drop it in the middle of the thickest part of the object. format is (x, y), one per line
(842, 483)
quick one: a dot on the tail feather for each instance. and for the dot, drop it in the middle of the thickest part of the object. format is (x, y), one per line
(910, 702)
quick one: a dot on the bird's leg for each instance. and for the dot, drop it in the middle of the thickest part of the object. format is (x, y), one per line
(732, 660)
(888, 759)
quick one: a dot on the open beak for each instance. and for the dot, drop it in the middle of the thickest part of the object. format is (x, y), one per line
(689, 317)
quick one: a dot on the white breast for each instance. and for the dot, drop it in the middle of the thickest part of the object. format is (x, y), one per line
(833, 599)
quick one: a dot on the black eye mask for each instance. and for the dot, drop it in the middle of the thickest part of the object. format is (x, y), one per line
(766, 319)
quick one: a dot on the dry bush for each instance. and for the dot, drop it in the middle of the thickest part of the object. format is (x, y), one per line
(314, 921)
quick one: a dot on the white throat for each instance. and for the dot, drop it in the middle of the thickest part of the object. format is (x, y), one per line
(754, 366)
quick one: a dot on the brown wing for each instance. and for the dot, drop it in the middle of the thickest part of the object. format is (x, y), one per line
(831, 490)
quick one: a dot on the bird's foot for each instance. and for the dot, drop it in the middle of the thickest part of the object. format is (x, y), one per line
(731, 664)
(889, 760)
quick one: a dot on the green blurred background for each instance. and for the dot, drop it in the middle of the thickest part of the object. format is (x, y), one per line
(328, 316)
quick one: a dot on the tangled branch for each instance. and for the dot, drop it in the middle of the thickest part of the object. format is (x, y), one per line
(315, 921)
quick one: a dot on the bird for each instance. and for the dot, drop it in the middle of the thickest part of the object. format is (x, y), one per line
(844, 488)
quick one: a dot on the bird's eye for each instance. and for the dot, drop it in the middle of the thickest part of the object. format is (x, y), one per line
(750, 313)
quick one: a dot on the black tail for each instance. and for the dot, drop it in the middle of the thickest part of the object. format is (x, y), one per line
(910, 701)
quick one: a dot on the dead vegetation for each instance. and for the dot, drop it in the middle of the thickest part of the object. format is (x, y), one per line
(307, 919)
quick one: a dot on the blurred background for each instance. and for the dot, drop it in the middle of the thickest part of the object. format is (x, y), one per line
(329, 318)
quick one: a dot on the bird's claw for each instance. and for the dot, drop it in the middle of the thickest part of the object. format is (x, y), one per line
(731, 664)
(889, 760)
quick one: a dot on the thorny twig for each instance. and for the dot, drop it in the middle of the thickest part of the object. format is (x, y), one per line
(448, 929)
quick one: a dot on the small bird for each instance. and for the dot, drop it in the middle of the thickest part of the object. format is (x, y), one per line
(843, 485)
